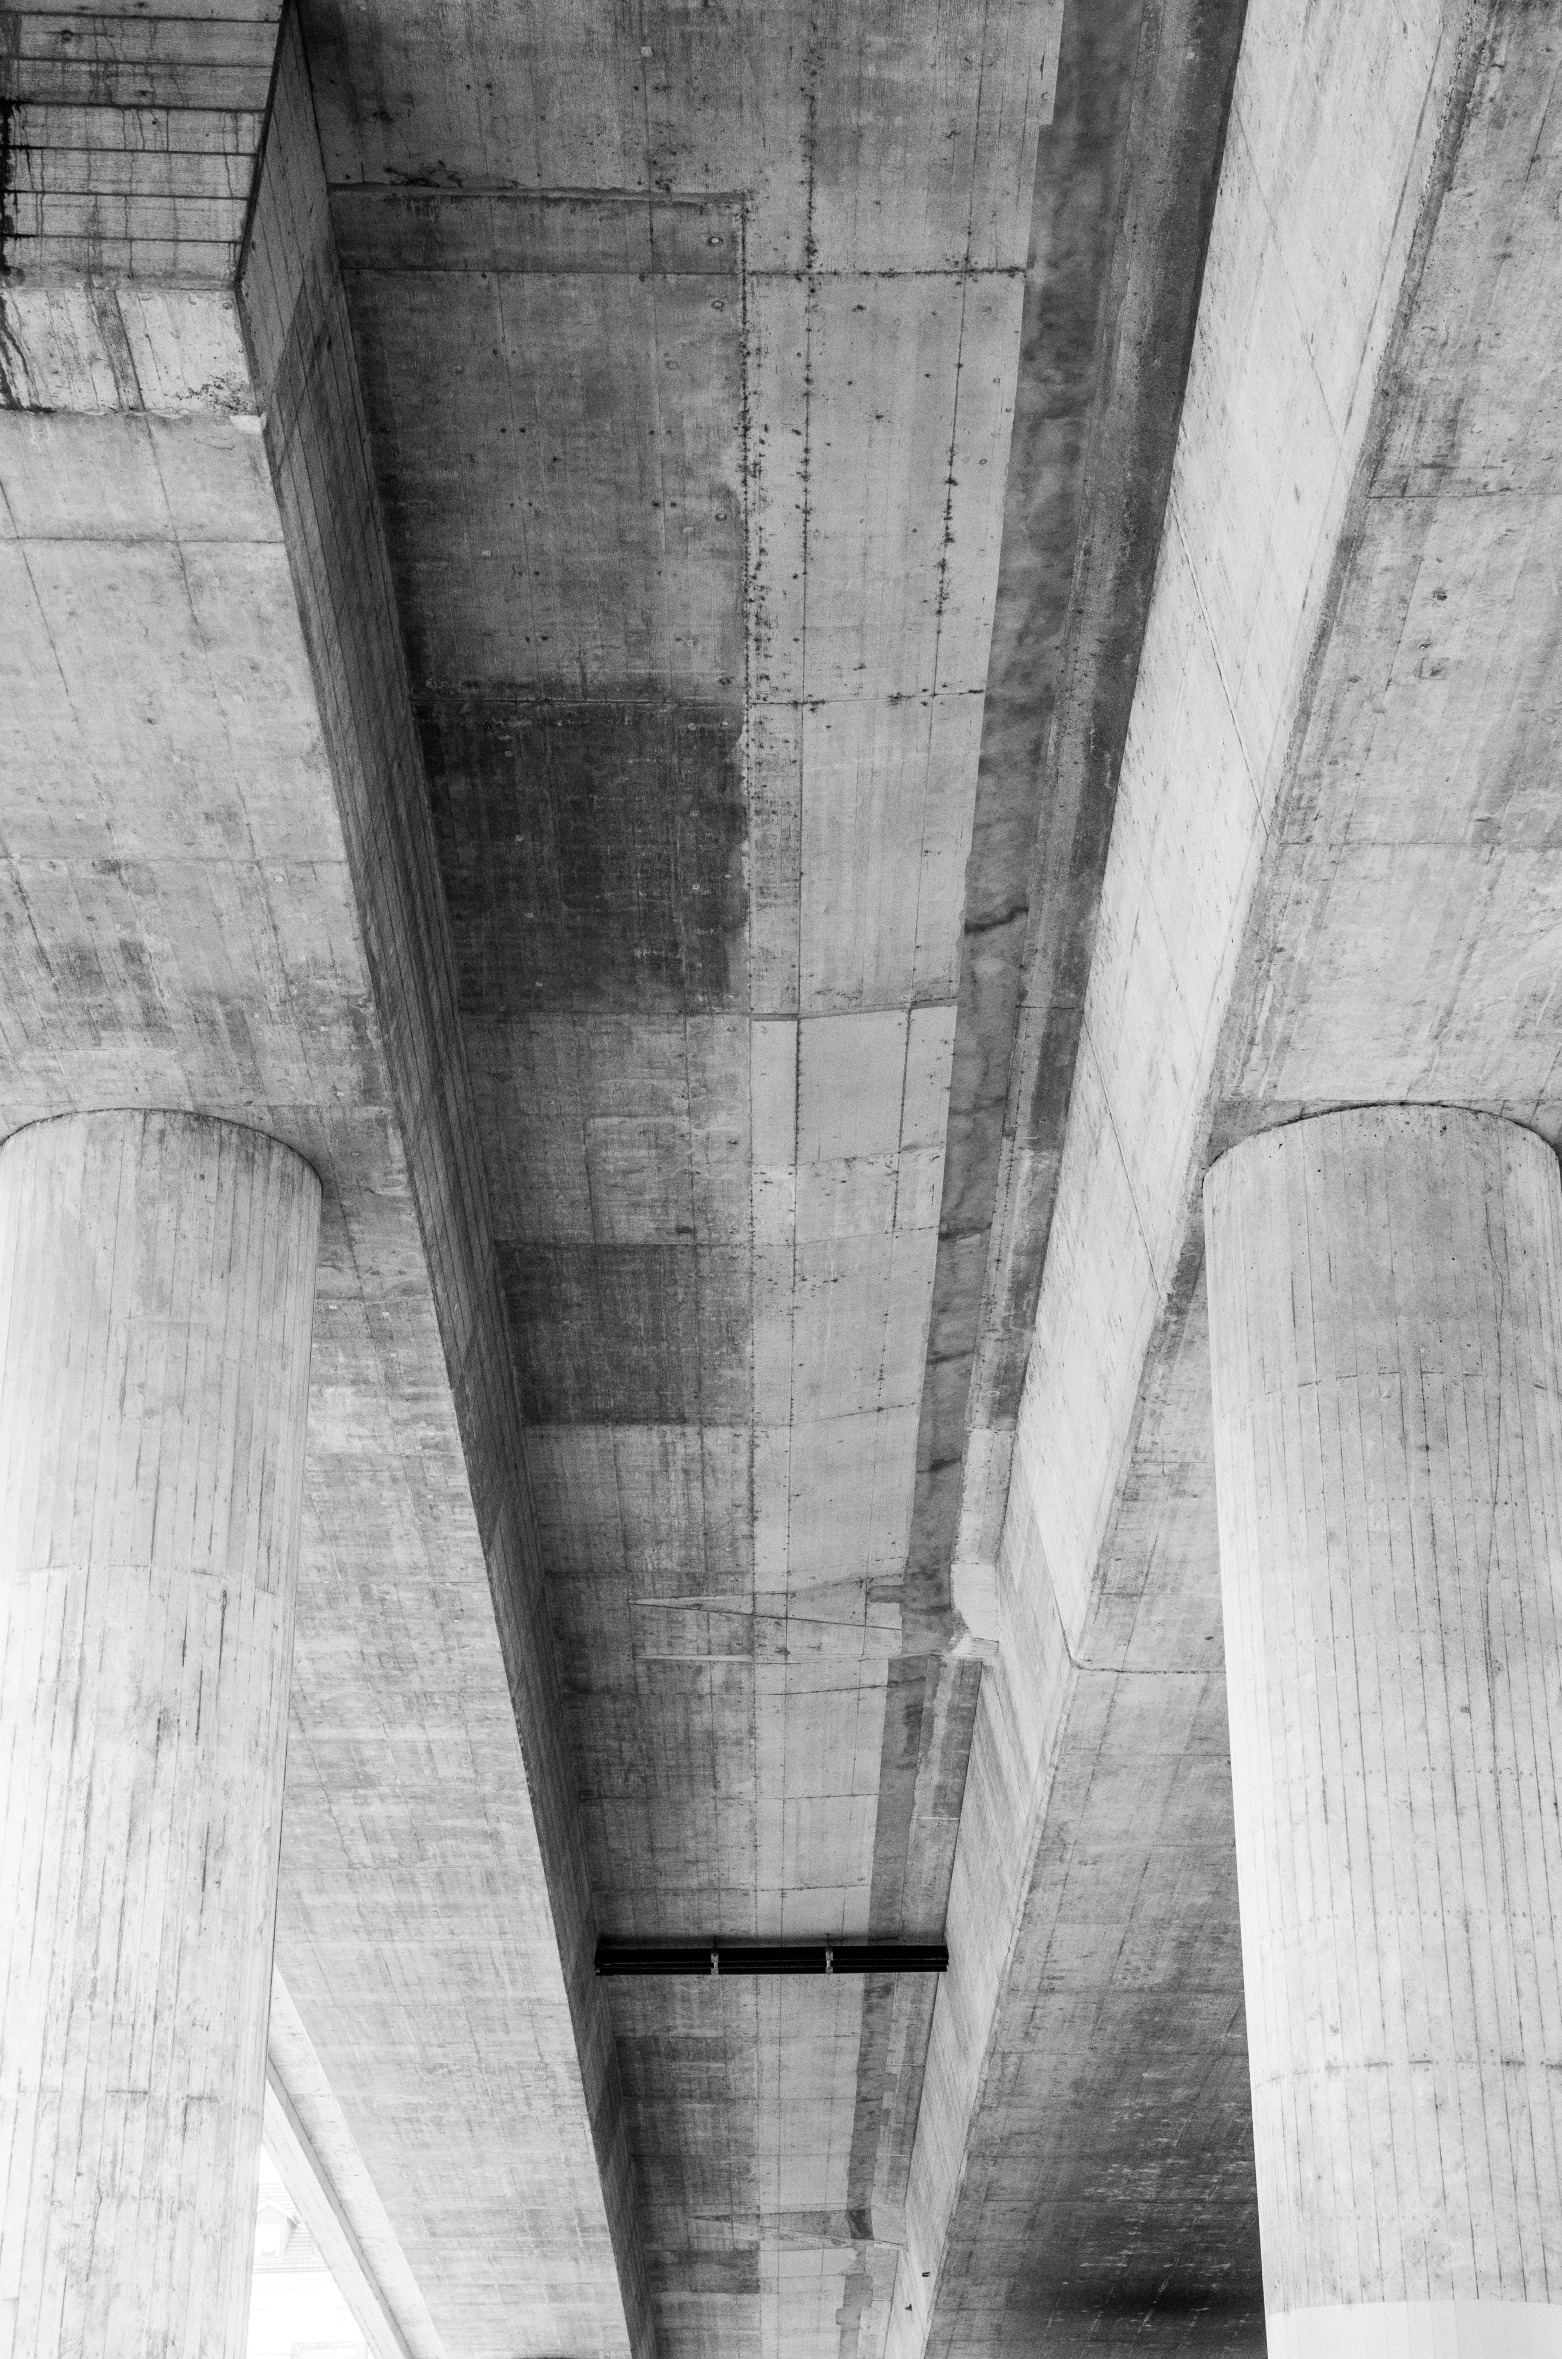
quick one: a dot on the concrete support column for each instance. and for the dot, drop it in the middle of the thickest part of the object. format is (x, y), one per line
(1385, 1293)
(156, 1292)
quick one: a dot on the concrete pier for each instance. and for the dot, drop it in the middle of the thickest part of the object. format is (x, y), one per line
(1385, 1292)
(156, 1294)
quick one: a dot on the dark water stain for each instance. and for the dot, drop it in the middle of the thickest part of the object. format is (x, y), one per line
(7, 168)
(644, 1334)
(592, 852)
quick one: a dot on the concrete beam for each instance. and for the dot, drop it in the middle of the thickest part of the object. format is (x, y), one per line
(1093, 1869)
(1126, 183)
(693, 502)
(1125, 180)
(296, 320)
(317, 2159)
(208, 788)
(306, 2182)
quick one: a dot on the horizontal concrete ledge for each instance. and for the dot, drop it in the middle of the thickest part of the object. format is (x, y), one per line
(772, 1957)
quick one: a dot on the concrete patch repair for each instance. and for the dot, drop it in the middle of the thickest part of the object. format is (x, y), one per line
(779, 1226)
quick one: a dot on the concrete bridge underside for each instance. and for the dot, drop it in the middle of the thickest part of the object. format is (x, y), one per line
(761, 674)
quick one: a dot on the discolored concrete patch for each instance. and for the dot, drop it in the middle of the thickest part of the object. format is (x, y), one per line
(592, 852)
(628, 1334)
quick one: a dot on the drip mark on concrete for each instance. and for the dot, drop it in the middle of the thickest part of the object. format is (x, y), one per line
(7, 217)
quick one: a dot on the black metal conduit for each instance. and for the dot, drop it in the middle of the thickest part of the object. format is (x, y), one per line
(771, 1957)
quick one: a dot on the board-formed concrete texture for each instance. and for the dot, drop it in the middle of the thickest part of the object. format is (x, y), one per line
(1385, 1289)
(154, 1395)
(761, 674)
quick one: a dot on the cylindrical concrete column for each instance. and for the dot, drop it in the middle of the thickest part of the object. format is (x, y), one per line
(1385, 1292)
(156, 1292)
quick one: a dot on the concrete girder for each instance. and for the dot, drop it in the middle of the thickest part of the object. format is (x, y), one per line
(215, 898)
(1354, 515)
(689, 364)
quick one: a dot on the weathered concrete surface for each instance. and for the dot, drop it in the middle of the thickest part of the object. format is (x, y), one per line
(198, 915)
(128, 139)
(1351, 461)
(1413, 875)
(1385, 1291)
(578, 657)
(316, 2156)
(695, 526)
(413, 1905)
(1125, 188)
(154, 1388)
(627, 1225)
(296, 320)
(1107, 2197)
